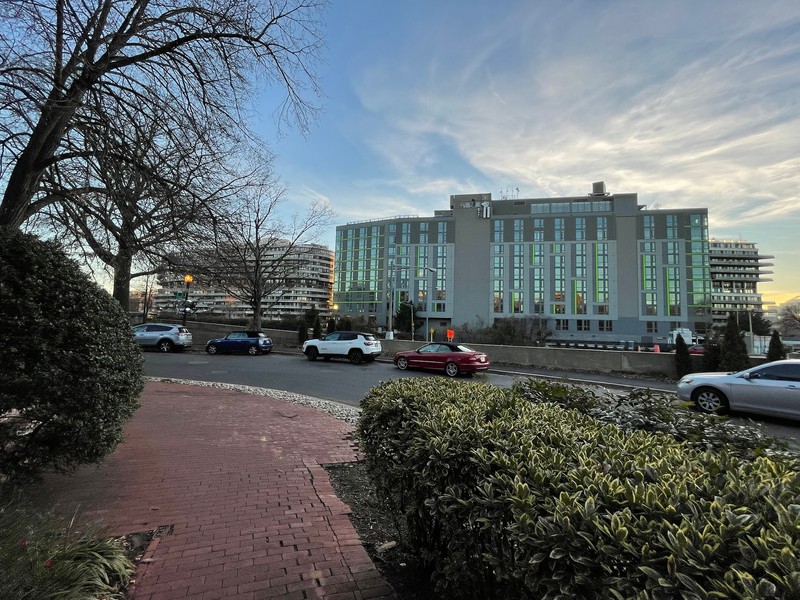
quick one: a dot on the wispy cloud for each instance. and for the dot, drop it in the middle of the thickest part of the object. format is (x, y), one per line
(689, 104)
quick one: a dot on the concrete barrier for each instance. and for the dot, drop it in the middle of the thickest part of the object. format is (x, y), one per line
(654, 364)
(572, 359)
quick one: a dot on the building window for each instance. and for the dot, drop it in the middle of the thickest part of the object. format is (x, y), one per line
(497, 233)
(606, 325)
(650, 306)
(559, 229)
(601, 309)
(649, 227)
(580, 228)
(562, 325)
(517, 302)
(518, 230)
(441, 233)
(558, 309)
(602, 228)
(652, 326)
(672, 227)
(579, 298)
(538, 230)
(583, 325)
(498, 296)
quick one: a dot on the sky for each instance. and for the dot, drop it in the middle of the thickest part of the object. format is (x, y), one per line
(686, 103)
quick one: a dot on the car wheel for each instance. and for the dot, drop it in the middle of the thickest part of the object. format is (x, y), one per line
(252, 350)
(355, 356)
(165, 346)
(451, 369)
(402, 363)
(212, 349)
(709, 400)
(312, 353)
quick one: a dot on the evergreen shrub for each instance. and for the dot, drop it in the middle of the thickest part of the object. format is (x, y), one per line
(70, 369)
(508, 498)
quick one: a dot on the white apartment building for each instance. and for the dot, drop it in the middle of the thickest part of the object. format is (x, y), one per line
(311, 287)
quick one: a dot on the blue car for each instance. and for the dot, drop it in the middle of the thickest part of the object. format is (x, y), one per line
(251, 342)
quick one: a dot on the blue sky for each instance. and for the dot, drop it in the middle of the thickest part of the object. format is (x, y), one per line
(687, 103)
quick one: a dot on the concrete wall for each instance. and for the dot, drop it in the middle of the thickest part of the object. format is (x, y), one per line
(636, 363)
(643, 363)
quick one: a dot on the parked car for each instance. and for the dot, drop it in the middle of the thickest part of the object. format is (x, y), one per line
(252, 342)
(165, 337)
(353, 345)
(769, 389)
(440, 356)
(697, 349)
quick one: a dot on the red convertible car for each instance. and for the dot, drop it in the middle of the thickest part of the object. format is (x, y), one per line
(441, 356)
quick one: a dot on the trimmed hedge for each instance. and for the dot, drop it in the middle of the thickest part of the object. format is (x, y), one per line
(507, 498)
(70, 370)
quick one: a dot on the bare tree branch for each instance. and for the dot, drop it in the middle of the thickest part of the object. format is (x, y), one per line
(61, 58)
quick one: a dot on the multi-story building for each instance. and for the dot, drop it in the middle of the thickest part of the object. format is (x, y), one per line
(736, 270)
(598, 267)
(308, 284)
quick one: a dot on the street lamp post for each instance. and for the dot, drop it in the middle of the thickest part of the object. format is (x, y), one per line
(429, 303)
(390, 333)
(187, 279)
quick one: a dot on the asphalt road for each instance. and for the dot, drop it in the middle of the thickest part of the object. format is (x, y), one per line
(340, 381)
(336, 380)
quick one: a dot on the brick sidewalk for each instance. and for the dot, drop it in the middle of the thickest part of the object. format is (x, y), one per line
(235, 483)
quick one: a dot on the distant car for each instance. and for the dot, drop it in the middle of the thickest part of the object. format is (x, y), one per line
(440, 356)
(353, 345)
(165, 337)
(697, 349)
(251, 342)
(771, 389)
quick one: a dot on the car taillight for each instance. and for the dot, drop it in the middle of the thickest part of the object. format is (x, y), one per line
(368, 343)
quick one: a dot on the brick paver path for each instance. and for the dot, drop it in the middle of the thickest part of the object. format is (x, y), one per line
(237, 480)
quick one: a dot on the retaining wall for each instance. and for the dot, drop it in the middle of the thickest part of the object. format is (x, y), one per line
(661, 364)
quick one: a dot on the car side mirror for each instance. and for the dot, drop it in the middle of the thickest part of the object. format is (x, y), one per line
(749, 376)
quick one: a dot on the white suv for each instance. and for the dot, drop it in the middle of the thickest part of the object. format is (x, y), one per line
(353, 345)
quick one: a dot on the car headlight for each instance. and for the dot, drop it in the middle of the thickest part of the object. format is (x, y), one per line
(686, 380)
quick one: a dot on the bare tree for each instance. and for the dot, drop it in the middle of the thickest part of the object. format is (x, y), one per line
(131, 202)
(789, 319)
(56, 55)
(257, 253)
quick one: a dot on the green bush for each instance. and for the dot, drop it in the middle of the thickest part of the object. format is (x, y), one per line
(645, 410)
(43, 557)
(508, 498)
(776, 351)
(70, 370)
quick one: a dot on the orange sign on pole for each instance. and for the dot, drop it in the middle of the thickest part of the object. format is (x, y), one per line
(450, 335)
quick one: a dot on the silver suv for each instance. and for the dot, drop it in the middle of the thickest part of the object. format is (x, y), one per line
(162, 336)
(352, 345)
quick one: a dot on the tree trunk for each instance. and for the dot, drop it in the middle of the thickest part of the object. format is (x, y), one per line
(122, 278)
(257, 314)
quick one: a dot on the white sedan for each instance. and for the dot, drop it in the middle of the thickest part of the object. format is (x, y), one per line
(770, 389)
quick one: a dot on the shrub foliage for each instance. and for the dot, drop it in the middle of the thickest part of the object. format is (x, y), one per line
(511, 498)
(70, 370)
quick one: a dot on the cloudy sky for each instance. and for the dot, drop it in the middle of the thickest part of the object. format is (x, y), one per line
(687, 103)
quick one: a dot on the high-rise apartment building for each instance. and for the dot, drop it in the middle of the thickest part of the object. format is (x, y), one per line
(737, 268)
(599, 267)
(308, 283)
